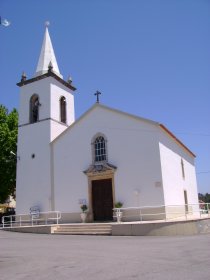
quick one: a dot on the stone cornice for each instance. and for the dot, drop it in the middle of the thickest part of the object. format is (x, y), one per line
(46, 75)
(46, 119)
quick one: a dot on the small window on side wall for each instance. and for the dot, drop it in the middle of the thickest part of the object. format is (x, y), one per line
(63, 109)
(34, 108)
(183, 171)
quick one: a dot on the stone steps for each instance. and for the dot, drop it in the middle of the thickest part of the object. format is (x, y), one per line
(84, 229)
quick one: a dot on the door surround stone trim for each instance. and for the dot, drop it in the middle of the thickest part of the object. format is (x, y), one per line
(109, 174)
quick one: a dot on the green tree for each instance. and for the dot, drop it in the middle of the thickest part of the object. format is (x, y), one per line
(8, 143)
(204, 197)
(207, 198)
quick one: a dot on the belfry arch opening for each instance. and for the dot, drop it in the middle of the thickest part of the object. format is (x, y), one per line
(34, 108)
(63, 109)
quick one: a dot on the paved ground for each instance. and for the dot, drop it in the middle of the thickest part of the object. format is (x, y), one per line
(33, 256)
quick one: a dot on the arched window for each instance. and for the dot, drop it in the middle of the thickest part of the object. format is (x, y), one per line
(100, 149)
(63, 109)
(34, 108)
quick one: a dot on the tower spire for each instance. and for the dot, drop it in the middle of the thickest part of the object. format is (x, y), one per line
(47, 56)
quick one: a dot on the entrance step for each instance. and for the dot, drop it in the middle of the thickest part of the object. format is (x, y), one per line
(84, 229)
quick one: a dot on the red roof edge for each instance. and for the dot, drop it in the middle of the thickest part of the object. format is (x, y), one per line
(176, 139)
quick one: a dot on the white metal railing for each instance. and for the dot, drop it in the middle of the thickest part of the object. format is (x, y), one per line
(163, 212)
(44, 218)
(144, 213)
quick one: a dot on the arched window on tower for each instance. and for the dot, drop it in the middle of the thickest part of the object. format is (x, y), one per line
(34, 108)
(100, 150)
(63, 109)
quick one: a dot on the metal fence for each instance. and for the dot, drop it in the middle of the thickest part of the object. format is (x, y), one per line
(33, 219)
(140, 214)
(163, 212)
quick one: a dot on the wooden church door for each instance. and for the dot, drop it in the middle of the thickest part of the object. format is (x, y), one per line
(102, 200)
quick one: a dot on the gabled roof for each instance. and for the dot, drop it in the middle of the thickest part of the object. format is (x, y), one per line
(99, 105)
(168, 132)
(159, 125)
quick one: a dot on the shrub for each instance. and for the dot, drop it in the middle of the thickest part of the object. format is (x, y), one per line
(118, 204)
(84, 207)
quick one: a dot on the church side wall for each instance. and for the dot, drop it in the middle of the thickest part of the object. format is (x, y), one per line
(174, 183)
(132, 148)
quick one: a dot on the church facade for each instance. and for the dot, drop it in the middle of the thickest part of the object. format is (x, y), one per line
(104, 157)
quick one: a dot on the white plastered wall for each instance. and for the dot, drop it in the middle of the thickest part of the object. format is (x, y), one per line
(57, 91)
(132, 148)
(49, 91)
(33, 186)
(33, 173)
(174, 184)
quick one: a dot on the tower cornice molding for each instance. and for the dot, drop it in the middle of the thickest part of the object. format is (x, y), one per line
(43, 120)
(46, 75)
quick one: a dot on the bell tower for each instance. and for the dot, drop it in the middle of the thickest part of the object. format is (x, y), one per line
(46, 109)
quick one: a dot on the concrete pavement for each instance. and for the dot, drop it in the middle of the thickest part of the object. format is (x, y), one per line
(40, 257)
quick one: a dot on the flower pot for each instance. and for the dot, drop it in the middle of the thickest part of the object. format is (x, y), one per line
(83, 216)
(119, 216)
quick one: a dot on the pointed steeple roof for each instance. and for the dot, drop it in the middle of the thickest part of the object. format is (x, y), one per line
(47, 56)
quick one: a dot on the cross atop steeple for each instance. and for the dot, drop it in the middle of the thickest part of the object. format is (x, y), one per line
(47, 55)
(97, 94)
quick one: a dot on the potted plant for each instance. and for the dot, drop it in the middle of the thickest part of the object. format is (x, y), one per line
(83, 215)
(119, 213)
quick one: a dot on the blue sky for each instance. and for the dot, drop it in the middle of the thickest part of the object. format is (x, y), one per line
(150, 58)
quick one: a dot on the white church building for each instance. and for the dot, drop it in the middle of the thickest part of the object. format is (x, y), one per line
(104, 157)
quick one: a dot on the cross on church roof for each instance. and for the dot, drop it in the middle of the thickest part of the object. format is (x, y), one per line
(97, 94)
